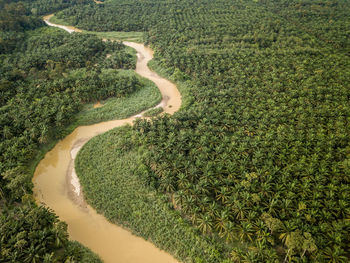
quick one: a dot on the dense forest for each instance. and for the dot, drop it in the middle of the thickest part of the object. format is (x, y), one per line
(46, 77)
(258, 159)
(260, 154)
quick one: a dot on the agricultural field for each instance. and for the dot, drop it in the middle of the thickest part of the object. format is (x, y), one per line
(49, 81)
(260, 154)
(110, 185)
(255, 167)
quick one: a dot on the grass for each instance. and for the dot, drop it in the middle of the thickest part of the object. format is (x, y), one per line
(121, 108)
(113, 108)
(109, 167)
(56, 20)
(87, 256)
(153, 112)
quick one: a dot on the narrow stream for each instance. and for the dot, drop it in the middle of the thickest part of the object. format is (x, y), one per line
(57, 187)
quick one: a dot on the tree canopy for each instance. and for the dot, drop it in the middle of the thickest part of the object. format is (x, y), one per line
(261, 152)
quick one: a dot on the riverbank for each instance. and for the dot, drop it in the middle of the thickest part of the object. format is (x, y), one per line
(133, 36)
(111, 171)
(85, 225)
(107, 166)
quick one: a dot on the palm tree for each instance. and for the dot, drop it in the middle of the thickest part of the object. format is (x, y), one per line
(6, 132)
(335, 255)
(236, 255)
(48, 258)
(44, 130)
(239, 210)
(308, 244)
(223, 194)
(204, 223)
(246, 231)
(221, 219)
(286, 231)
(230, 232)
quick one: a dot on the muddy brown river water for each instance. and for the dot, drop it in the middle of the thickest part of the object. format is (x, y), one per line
(57, 187)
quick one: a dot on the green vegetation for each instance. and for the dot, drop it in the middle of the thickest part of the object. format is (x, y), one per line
(260, 153)
(47, 80)
(34, 234)
(121, 108)
(182, 82)
(54, 19)
(153, 112)
(43, 7)
(256, 163)
(120, 36)
(107, 166)
(112, 16)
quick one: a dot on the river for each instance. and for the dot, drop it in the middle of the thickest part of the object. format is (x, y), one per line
(57, 187)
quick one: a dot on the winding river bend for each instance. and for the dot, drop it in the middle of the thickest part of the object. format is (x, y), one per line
(57, 187)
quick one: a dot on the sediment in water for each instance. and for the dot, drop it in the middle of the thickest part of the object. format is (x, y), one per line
(56, 186)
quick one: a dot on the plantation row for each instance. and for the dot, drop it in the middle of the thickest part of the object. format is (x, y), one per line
(126, 200)
(260, 154)
(46, 77)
